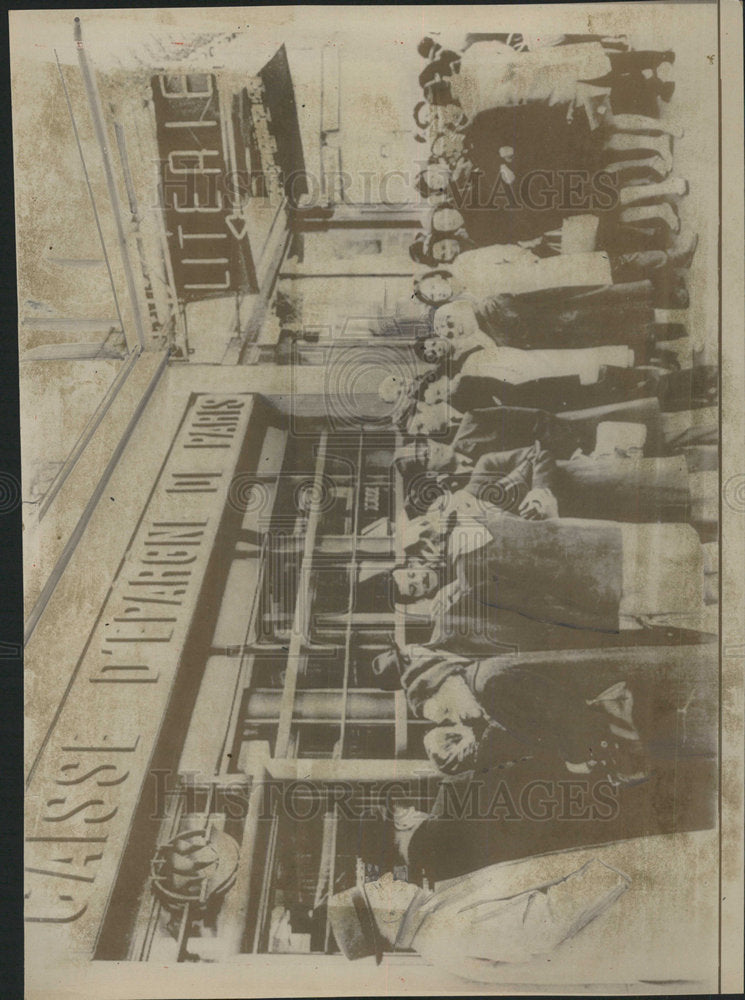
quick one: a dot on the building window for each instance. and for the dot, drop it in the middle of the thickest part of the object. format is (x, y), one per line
(306, 559)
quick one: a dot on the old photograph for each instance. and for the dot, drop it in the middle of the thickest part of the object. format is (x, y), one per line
(380, 396)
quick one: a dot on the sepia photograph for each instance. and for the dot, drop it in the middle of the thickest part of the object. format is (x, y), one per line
(381, 376)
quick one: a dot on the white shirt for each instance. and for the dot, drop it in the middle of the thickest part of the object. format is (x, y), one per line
(513, 365)
(496, 270)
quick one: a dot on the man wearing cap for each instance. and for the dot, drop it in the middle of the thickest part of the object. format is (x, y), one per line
(584, 723)
(608, 719)
(504, 428)
(530, 808)
(632, 782)
(500, 428)
(499, 915)
(457, 748)
(596, 707)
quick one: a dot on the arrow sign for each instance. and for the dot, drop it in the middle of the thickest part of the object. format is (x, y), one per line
(236, 224)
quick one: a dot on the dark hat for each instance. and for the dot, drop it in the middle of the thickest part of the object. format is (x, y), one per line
(419, 249)
(353, 924)
(417, 114)
(407, 464)
(420, 677)
(424, 678)
(426, 46)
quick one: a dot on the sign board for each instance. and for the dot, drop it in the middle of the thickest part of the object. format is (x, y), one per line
(206, 230)
(83, 792)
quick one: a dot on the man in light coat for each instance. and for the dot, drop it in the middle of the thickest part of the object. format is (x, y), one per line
(481, 921)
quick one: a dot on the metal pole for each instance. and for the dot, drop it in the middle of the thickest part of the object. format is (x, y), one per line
(93, 202)
(94, 101)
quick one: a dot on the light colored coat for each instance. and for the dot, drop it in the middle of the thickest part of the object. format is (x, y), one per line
(492, 75)
(485, 272)
(495, 915)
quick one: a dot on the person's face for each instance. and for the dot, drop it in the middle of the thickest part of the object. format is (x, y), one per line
(435, 198)
(437, 392)
(435, 288)
(450, 747)
(445, 250)
(453, 702)
(446, 220)
(407, 817)
(429, 420)
(439, 455)
(444, 142)
(436, 178)
(415, 581)
(419, 424)
(391, 388)
(435, 349)
(451, 322)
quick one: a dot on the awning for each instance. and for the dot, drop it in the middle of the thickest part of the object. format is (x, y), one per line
(279, 99)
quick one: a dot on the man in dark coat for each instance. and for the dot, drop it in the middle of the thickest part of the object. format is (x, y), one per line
(666, 695)
(612, 314)
(541, 140)
(504, 428)
(559, 394)
(550, 706)
(495, 816)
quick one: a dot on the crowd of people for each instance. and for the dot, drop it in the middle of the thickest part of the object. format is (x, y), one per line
(558, 455)
(568, 124)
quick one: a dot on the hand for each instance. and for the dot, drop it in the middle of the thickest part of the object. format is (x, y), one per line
(447, 597)
(506, 174)
(539, 505)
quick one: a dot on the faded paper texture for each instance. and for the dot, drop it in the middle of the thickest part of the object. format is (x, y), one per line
(381, 377)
